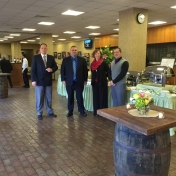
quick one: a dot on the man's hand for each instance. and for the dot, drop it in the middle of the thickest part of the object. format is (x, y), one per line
(34, 83)
(49, 70)
(111, 83)
(64, 82)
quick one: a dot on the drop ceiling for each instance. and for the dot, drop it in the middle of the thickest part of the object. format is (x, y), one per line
(19, 14)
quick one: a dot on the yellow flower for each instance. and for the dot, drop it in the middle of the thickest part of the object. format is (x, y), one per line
(146, 102)
(135, 96)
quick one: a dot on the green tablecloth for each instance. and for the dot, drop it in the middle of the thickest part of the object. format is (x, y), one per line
(165, 101)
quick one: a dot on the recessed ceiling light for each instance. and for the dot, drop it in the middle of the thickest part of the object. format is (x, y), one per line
(116, 29)
(38, 38)
(72, 12)
(173, 7)
(55, 35)
(69, 32)
(8, 37)
(46, 23)
(15, 34)
(1, 40)
(53, 41)
(23, 42)
(157, 22)
(61, 39)
(31, 40)
(93, 27)
(28, 29)
(117, 19)
(76, 37)
(5, 39)
(94, 33)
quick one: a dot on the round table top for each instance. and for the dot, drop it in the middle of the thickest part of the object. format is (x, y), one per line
(5, 74)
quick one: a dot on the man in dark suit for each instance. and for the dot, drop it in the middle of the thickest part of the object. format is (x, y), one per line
(74, 76)
(6, 67)
(43, 65)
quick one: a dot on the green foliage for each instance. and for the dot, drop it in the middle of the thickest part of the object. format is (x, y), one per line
(107, 54)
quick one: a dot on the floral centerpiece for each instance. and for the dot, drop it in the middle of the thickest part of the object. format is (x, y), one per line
(107, 54)
(143, 100)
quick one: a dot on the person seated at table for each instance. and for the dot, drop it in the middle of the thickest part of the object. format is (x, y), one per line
(99, 82)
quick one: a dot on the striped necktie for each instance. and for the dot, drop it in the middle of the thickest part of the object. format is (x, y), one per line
(44, 60)
(74, 69)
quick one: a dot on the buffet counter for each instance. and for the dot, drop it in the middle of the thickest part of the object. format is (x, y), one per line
(162, 100)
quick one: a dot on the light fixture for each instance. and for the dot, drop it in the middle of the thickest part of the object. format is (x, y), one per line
(173, 7)
(157, 22)
(1, 40)
(76, 37)
(31, 40)
(46, 23)
(38, 38)
(115, 35)
(5, 39)
(62, 39)
(55, 35)
(69, 32)
(116, 29)
(23, 42)
(92, 27)
(53, 41)
(15, 34)
(94, 33)
(8, 37)
(117, 19)
(72, 12)
(28, 29)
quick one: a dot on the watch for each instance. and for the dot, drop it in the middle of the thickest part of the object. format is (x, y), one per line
(140, 18)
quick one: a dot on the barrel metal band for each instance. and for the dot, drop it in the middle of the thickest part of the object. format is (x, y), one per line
(152, 151)
(133, 174)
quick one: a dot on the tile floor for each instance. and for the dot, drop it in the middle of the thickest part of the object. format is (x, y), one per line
(77, 146)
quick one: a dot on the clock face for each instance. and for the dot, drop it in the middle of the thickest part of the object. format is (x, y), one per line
(140, 18)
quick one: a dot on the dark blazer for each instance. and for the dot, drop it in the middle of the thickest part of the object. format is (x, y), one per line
(38, 70)
(101, 74)
(67, 71)
(6, 66)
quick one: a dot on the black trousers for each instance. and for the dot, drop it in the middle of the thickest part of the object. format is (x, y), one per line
(79, 97)
(25, 77)
(10, 81)
(100, 97)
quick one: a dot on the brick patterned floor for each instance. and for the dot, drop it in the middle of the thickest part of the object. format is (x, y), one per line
(77, 146)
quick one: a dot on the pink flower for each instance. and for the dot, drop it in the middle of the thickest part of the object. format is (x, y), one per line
(104, 56)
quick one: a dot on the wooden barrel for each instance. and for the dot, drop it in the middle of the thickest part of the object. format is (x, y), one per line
(136, 154)
(3, 87)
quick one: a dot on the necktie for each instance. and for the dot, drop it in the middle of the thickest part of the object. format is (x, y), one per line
(74, 69)
(44, 60)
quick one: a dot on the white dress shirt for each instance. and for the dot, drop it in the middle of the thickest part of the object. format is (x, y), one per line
(45, 56)
(24, 64)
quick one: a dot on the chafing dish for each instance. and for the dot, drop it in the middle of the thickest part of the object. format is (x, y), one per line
(157, 74)
(133, 78)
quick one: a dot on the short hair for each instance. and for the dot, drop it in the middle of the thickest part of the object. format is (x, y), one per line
(68, 53)
(73, 47)
(96, 51)
(23, 54)
(118, 49)
(43, 44)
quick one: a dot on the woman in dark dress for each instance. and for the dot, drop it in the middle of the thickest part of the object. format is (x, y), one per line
(99, 82)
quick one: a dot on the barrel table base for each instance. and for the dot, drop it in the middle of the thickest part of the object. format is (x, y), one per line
(3, 87)
(136, 154)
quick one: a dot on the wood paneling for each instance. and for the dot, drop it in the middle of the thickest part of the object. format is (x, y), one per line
(161, 34)
(106, 41)
(16, 75)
